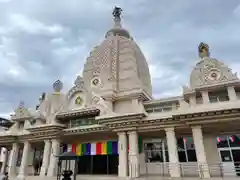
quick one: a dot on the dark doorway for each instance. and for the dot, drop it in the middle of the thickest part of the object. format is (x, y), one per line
(236, 159)
(112, 164)
(98, 164)
(84, 165)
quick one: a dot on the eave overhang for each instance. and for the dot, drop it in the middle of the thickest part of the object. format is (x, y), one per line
(21, 119)
(213, 116)
(81, 113)
(85, 130)
(46, 128)
(120, 118)
(7, 139)
(39, 135)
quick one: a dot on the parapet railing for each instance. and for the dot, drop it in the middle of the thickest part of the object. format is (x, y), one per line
(192, 169)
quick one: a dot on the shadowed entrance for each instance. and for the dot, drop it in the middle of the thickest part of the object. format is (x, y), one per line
(98, 164)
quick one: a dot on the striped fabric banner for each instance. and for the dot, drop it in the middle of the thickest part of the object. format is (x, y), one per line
(99, 148)
(65, 148)
(78, 150)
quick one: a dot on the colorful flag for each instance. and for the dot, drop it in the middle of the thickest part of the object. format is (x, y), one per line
(78, 149)
(93, 149)
(101, 148)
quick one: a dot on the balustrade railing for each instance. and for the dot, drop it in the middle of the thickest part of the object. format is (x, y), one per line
(218, 170)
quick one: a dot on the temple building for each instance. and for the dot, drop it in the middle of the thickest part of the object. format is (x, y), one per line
(110, 119)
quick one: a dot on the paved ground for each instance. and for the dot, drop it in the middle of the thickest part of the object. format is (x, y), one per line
(116, 178)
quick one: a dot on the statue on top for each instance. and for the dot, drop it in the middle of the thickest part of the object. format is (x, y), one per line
(203, 50)
(117, 13)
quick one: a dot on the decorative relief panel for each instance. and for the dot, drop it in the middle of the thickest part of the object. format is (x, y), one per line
(21, 112)
(210, 71)
(77, 94)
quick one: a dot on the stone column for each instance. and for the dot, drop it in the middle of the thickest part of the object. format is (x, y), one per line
(231, 93)
(200, 151)
(174, 165)
(192, 100)
(205, 97)
(24, 161)
(123, 155)
(134, 167)
(46, 157)
(55, 150)
(13, 160)
(212, 154)
(4, 162)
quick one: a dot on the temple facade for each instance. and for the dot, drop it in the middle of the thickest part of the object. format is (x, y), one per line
(110, 119)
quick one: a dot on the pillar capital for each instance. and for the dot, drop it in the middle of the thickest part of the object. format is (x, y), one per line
(169, 129)
(132, 132)
(121, 133)
(196, 127)
(47, 141)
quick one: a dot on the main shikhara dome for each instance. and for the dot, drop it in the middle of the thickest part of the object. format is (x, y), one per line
(117, 65)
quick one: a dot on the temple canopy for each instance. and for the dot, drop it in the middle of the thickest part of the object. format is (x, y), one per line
(68, 156)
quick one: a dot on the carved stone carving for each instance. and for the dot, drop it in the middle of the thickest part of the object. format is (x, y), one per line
(209, 70)
(98, 101)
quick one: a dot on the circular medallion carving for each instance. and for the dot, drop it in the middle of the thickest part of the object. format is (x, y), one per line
(95, 82)
(78, 100)
(214, 75)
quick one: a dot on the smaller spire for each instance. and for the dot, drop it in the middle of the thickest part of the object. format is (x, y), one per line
(57, 86)
(203, 50)
(117, 17)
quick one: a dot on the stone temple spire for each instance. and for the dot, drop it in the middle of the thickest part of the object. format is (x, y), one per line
(203, 50)
(117, 17)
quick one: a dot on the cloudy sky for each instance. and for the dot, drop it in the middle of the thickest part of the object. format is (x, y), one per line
(42, 41)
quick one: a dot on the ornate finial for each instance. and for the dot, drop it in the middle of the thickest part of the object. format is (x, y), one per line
(117, 16)
(57, 86)
(203, 50)
(79, 82)
(21, 104)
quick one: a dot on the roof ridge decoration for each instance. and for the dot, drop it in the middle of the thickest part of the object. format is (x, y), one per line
(78, 87)
(21, 112)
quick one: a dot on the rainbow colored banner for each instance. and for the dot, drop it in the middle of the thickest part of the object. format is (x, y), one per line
(99, 148)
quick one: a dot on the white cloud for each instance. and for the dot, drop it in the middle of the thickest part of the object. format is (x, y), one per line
(30, 25)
